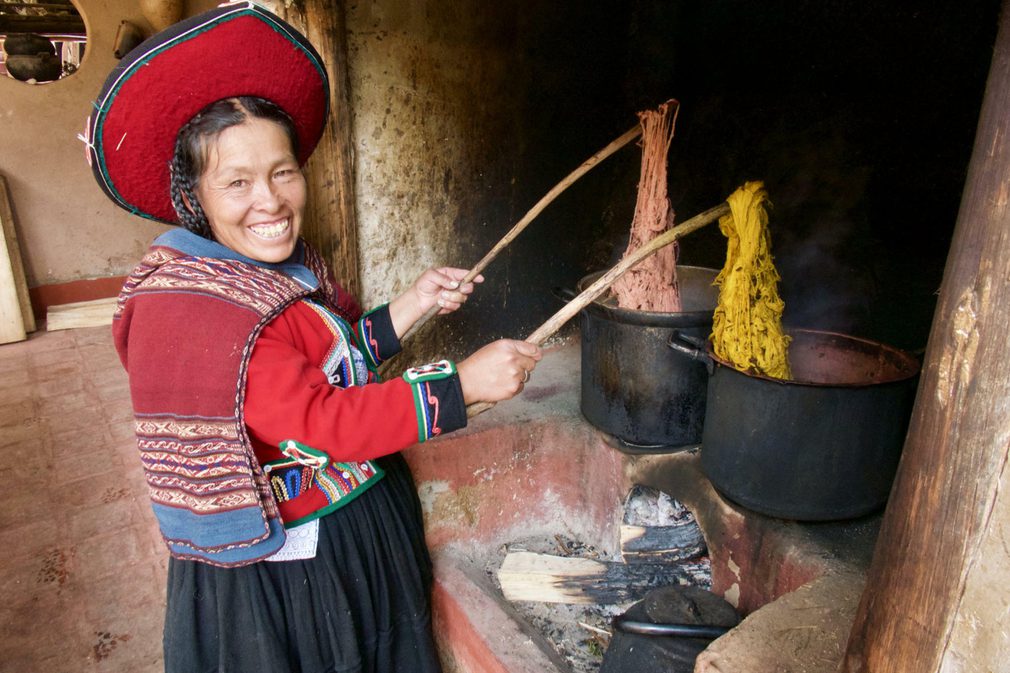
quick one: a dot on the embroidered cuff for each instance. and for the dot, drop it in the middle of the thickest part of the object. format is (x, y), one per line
(438, 399)
(376, 336)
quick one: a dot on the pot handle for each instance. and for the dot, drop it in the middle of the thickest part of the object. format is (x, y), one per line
(565, 294)
(692, 347)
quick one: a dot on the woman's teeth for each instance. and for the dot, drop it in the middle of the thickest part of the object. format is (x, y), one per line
(271, 230)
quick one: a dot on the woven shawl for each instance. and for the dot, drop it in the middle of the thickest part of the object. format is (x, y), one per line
(184, 328)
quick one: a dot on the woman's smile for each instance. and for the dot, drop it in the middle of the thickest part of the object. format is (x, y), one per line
(272, 229)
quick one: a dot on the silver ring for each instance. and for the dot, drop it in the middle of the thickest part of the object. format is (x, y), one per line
(526, 375)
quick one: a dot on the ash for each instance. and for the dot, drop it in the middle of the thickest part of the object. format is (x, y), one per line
(649, 507)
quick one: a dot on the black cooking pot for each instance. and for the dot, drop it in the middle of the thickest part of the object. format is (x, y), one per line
(631, 388)
(821, 447)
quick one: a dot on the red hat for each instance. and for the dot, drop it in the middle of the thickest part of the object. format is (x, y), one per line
(233, 50)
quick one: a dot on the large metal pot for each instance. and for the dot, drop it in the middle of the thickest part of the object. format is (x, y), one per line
(821, 447)
(631, 388)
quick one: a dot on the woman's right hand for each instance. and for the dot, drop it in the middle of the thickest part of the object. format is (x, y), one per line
(497, 371)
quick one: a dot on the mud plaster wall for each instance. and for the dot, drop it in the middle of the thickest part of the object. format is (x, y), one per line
(67, 228)
(466, 114)
(424, 87)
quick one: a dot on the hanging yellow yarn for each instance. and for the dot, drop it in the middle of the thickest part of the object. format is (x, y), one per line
(747, 325)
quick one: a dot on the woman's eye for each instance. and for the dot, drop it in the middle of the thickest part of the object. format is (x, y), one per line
(237, 184)
(284, 173)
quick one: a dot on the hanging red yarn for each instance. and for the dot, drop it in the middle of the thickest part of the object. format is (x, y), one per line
(651, 285)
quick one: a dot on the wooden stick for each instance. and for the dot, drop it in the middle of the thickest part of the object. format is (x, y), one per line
(587, 296)
(586, 166)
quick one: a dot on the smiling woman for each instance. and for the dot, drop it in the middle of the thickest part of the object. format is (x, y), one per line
(270, 445)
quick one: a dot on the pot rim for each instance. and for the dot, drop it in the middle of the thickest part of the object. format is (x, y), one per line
(913, 365)
(648, 318)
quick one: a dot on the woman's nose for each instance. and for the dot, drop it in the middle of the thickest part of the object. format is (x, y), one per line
(266, 195)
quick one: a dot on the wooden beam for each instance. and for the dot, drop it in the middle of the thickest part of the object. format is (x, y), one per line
(10, 234)
(57, 7)
(935, 591)
(12, 23)
(331, 223)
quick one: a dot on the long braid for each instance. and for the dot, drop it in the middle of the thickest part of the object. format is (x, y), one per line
(191, 215)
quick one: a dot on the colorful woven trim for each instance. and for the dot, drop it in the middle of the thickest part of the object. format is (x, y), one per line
(338, 365)
(308, 485)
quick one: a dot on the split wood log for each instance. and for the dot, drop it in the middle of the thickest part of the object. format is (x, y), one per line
(516, 229)
(94, 313)
(661, 544)
(527, 576)
(588, 295)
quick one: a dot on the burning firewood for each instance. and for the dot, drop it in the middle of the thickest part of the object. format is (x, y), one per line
(656, 528)
(527, 576)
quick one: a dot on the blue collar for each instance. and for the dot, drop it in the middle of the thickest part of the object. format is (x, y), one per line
(189, 243)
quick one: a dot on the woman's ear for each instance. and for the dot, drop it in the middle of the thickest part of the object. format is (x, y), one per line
(185, 201)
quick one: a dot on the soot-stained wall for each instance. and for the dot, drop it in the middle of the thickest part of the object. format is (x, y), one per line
(858, 116)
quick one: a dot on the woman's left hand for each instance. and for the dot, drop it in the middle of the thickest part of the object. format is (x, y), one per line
(441, 287)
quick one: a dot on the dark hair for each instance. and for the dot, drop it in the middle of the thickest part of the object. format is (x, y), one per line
(191, 144)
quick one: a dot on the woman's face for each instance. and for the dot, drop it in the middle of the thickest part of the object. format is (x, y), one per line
(253, 191)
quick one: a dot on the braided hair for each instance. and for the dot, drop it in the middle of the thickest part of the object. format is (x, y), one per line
(191, 148)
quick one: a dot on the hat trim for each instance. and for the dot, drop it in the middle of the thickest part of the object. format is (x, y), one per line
(98, 145)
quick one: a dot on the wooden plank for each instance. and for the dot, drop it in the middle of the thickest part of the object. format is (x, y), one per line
(12, 326)
(94, 313)
(14, 253)
(935, 596)
(527, 576)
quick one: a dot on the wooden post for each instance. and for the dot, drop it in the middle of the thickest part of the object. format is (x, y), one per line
(331, 223)
(935, 596)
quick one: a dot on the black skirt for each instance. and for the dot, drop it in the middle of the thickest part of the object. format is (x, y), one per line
(361, 605)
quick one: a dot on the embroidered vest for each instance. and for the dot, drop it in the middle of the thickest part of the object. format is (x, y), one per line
(184, 328)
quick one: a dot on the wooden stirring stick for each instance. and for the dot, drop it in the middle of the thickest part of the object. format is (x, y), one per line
(586, 166)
